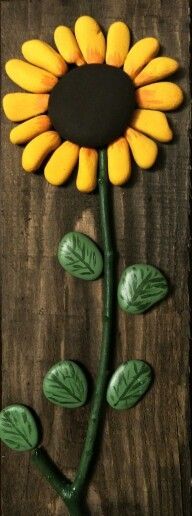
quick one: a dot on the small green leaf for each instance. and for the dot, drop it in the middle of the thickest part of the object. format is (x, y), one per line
(18, 429)
(65, 384)
(79, 256)
(128, 384)
(140, 287)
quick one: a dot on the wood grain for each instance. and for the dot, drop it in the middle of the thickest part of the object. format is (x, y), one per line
(143, 465)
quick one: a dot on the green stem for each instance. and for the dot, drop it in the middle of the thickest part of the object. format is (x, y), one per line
(100, 388)
(47, 468)
(62, 486)
(72, 493)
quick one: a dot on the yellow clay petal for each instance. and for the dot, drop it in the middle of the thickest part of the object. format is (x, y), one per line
(118, 41)
(159, 95)
(140, 54)
(119, 162)
(157, 69)
(43, 55)
(29, 77)
(87, 171)
(38, 149)
(20, 106)
(90, 39)
(152, 123)
(144, 150)
(61, 163)
(67, 45)
(28, 130)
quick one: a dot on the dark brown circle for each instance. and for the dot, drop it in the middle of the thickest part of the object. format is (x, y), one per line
(92, 105)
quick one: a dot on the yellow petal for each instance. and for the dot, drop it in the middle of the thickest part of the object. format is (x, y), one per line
(159, 95)
(43, 55)
(139, 55)
(20, 106)
(144, 150)
(157, 69)
(153, 123)
(119, 162)
(29, 77)
(38, 149)
(118, 41)
(28, 130)
(62, 163)
(87, 171)
(90, 39)
(67, 45)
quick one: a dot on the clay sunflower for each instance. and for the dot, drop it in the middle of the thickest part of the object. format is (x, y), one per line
(112, 98)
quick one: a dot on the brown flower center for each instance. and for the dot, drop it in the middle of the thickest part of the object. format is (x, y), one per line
(92, 105)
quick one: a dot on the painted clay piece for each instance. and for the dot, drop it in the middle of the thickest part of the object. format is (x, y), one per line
(28, 130)
(41, 54)
(90, 39)
(118, 42)
(38, 149)
(86, 106)
(18, 429)
(67, 46)
(21, 106)
(61, 164)
(119, 162)
(128, 384)
(65, 384)
(79, 256)
(87, 170)
(29, 77)
(140, 287)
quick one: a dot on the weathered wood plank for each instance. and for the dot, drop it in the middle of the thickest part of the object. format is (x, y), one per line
(143, 466)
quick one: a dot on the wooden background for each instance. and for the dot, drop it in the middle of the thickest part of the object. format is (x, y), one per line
(143, 465)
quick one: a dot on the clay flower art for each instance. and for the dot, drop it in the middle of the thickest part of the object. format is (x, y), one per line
(119, 105)
(98, 113)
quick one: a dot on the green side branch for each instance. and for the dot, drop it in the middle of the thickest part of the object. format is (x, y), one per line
(72, 492)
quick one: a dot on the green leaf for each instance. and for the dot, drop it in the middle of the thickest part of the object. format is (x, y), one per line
(128, 384)
(79, 256)
(18, 429)
(140, 287)
(65, 384)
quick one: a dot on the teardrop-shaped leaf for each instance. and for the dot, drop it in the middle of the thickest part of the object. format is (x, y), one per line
(79, 256)
(18, 429)
(140, 287)
(128, 384)
(65, 384)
